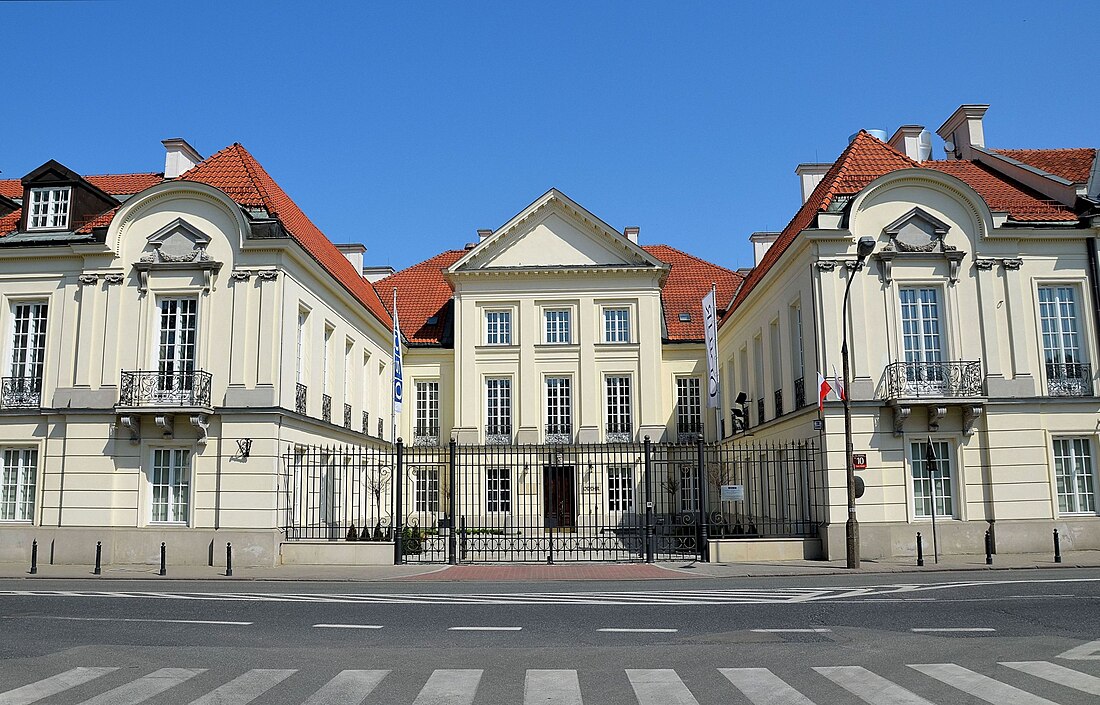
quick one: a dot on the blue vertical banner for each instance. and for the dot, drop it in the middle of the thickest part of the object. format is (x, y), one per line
(398, 384)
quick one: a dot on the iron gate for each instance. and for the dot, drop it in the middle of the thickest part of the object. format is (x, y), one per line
(552, 503)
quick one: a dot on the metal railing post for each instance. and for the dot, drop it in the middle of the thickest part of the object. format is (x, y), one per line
(98, 558)
(452, 536)
(920, 551)
(650, 530)
(228, 560)
(704, 539)
(988, 549)
(398, 522)
(34, 556)
(163, 559)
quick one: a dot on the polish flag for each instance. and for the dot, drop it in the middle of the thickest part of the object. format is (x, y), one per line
(841, 393)
(823, 389)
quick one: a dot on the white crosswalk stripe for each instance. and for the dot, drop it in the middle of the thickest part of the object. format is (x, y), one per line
(762, 687)
(552, 687)
(347, 688)
(1058, 674)
(245, 688)
(982, 687)
(870, 687)
(33, 692)
(450, 687)
(659, 686)
(145, 687)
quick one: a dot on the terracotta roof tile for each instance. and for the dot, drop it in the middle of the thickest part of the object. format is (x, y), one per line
(689, 280)
(1071, 164)
(1000, 194)
(124, 184)
(237, 173)
(422, 292)
(11, 188)
(10, 222)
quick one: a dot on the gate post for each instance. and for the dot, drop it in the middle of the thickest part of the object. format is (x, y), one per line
(650, 531)
(452, 542)
(704, 547)
(398, 486)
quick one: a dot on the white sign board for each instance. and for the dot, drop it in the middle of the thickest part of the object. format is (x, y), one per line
(733, 493)
(710, 327)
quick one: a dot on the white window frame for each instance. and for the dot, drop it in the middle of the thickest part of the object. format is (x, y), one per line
(426, 410)
(502, 406)
(177, 499)
(1075, 380)
(619, 414)
(689, 488)
(18, 483)
(917, 448)
(557, 326)
(559, 401)
(689, 404)
(617, 327)
(426, 489)
(26, 358)
(620, 489)
(301, 357)
(1075, 485)
(498, 326)
(349, 351)
(170, 348)
(498, 490)
(326, 362)
(53, 210)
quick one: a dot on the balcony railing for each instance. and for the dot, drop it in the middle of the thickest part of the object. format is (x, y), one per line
(778, 403)
(620, 432)
(366, 423)
(559, 433)
(347, 416)
(21, 393)
(326, 408)
(426, 436)
(165, 389)
(689, 431)
(498, 434)
(933, 380)
(381, 428)
(799, 393)
(760, 410)
(300, 394)
(1069, 379)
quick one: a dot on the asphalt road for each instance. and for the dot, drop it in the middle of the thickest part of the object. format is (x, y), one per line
(665, 642)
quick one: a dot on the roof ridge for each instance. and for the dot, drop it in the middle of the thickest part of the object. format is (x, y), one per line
(1041, 149)
(251, 166)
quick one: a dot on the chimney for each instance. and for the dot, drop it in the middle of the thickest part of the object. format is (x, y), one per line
(482, 234)
(963, 130)
(354, 252)
(761, 242)
(913, 141)
(179, 157)
(632, 233)
(810, 176)
(377, 272)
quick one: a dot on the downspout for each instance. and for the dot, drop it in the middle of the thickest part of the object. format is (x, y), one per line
(1094, 284)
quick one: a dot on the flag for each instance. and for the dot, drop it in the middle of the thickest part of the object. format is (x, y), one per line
(823, 389)
(710, 327)
(841, 392)
(397, 380)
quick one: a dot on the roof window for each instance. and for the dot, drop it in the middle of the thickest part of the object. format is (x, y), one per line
(49, 208)
(685, 318)
(432, 320)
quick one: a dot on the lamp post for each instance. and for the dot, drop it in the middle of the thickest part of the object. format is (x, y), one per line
(864, 247)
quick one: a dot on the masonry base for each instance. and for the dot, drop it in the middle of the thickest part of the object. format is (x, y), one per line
(337, 553)
(755, 550)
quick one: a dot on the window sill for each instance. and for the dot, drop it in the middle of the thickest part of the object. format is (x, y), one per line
(178, 524)
(24, 522)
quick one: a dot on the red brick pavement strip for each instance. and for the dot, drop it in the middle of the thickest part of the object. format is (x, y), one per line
(522, 573)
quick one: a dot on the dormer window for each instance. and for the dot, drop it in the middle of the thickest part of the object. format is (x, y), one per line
(49, 208)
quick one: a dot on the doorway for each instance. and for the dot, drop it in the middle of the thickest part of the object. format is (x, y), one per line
(559, 497)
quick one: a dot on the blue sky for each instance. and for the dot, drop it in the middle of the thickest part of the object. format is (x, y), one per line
(409, 125)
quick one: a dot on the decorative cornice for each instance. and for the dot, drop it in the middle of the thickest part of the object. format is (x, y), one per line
(87, 279)
(240, 275)
(114, 278)
(825, 265)
(1012, 264)
(267, 275)
(985, 264)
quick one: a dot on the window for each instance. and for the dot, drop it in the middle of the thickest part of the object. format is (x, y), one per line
(616, 325)
(28, 353)
(498, 327)
(427, 409)
(171, 484)
(559, 402)
(619, 422)
(929, 477)
(498, 490)
(922, 341)
(689, 489)
(620, 488)
(49, 208)
(349, 348)
(17, 492)
(300, 352)
(1074, 474)
(426, 489)
(179, 321)
(558, 329)
(498, 406)
(797, 359)
(326, 361)
(1066, 373)
(689, 417)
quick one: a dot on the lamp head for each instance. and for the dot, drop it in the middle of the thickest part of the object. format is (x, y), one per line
(741, 398)
(865, 247)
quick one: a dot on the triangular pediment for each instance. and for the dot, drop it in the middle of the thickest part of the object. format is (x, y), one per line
(179, 241)
(554, 232)
(917, 230)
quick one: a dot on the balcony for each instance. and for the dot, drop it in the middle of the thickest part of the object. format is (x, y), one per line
(558, 433)
(21, 393)
(689, 431)
(366, 423)
(159, 390)
(799, 393)
(1069, 379)
(326, 408)
(933, 380)
(347, 416)
(381, 427)
(619, 432)
(760, 410)
(778, 403)
(498, 434)
(426, 436)
(300, 394)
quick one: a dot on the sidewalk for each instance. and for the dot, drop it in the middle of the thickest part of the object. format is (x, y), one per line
(518, 572)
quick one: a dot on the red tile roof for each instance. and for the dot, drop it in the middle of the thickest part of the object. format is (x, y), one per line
(237, 173)
(124, 184)
(689, 280)
(422, 292)
(1071, 164)
(11, 188)
(1000, 194)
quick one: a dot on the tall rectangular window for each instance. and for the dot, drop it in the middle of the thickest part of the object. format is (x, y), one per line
(798, 364)
(426, 489)
(176, 363)
(932, 477)
(498, 490)
(1075, 475)
(559, 403)
(171, 485)
(922, 340)
(620, 424)
(427, 408)
(1067, 375)
(689, 489)
(300, 347)
(558, 329)
(326, 361)
(498, 406)
(616, 325)
(689, 416)
(620, 488)
(17, 493)
(349, 348)
(28, 353)
(49, 208)
(498, 327)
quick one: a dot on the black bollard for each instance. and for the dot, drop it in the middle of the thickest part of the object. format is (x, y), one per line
(34, 557)
(1057, 548)
(920, 550)
(988, 549)
(98, 558)
(228, 560)
(163, 564)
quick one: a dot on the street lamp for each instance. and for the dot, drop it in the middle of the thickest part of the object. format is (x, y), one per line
(864, 247)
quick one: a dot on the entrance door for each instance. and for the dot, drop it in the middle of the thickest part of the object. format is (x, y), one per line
(559, 497)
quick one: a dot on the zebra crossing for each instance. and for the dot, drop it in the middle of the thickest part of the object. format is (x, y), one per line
(661, 686)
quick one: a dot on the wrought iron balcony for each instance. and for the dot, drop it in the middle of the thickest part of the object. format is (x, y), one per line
(559, 433)
(21, 393)
(326, 408)
(1069, 379)
(689, 431)
(381, 427)
(426, 436)
(799, 393)
(620, 432)
(154, 388)
(498, 434)
(347, 416)
(778, 403)
(300, 395)
(933, 380)
(760, 410)
(366, 423)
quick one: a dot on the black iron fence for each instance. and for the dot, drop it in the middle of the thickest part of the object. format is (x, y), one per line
(553, 502)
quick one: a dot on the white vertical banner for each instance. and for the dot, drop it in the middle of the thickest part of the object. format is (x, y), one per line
(710, 325)
(398, 384)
